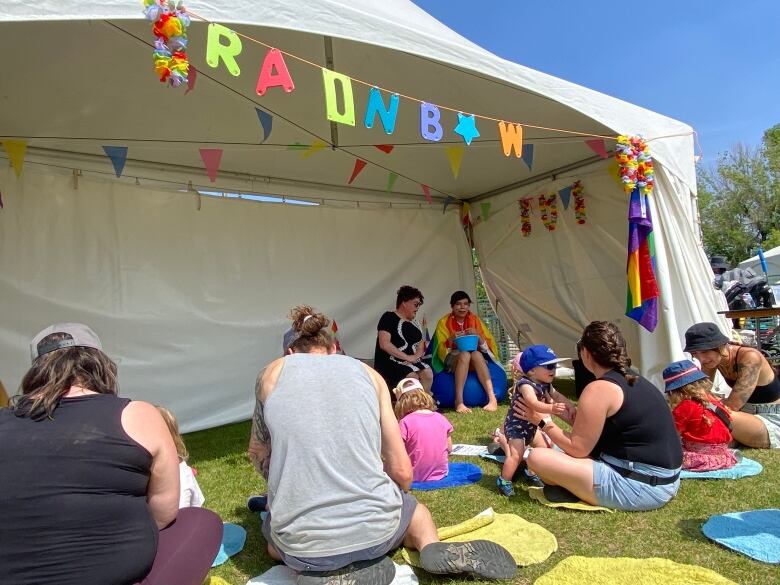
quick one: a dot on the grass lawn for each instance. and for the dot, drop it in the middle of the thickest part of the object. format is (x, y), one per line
(673, 532)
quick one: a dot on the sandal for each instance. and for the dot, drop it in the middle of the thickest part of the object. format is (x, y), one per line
(481, 558)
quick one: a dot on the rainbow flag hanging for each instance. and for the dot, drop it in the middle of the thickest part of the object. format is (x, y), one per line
(642, 294)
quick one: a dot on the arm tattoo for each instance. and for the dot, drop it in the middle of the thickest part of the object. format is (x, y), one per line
(260, 440)
(744, 386)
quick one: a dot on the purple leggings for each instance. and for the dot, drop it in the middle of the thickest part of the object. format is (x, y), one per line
(186, 548)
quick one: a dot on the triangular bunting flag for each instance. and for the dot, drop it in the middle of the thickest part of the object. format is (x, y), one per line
(266, 121)
(455, 156)
(597, 145)
(465, 214)
(317, 146)
(1, 200)
(386, 148)
(485, 208)
(613, 169)
(16, 150)
(118, 156)
(211, 159)
(297, 146)
(449, 199)
(192, 74)
(528, 155)
(427, 193)
(359, 166)
(565, 195)
(391, 177)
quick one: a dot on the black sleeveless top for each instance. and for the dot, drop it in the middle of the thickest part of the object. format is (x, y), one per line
(73, 497)
(765, 394)
(642, 430)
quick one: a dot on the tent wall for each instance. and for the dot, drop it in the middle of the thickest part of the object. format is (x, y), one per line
(772, 257)
(549, 285)
(192, 304)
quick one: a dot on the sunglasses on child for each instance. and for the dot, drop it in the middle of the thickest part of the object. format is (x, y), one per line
(550, 367)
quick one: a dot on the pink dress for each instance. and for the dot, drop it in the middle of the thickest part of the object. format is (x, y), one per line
(425, 436)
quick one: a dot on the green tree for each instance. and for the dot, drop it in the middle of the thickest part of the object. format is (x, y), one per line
(739, 199)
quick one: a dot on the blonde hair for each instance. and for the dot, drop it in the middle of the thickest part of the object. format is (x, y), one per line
(412, 401)
(173, 427)
(698, 391)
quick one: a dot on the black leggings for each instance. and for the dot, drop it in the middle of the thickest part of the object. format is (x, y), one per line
(186, 548)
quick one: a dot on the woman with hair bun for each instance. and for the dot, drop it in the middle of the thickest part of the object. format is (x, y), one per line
(623, 451)
(400, 346)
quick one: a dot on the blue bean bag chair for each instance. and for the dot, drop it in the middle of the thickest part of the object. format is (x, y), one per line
(473, 393)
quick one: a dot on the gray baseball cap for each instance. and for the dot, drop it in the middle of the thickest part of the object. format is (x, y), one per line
(80, 336)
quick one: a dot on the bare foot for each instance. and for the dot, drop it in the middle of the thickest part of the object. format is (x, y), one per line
(462, 408)
(491, 406)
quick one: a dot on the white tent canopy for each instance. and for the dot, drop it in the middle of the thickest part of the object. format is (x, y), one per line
(772, 257)
(190, 294)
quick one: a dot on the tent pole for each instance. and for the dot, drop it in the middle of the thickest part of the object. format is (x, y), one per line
(549, 174)
(334, 129)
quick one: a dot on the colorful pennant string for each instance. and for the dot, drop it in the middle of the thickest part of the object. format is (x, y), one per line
(16, 149)
(266, 122)
(391, 177)
(597, 145)
(359, 166)
(455, 156)
(485, 209)
(427, 193)
(118, 156)
(211, 160)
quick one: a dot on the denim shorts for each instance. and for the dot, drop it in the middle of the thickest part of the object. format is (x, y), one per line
(614, 491)
(769, 414)
(333, 562)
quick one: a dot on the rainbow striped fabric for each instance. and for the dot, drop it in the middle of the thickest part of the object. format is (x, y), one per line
(642, 294)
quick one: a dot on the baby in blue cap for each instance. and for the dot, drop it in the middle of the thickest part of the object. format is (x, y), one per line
(538, 363)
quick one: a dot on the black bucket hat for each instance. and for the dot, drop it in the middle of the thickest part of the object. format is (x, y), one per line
(704, 336)
(719, 262)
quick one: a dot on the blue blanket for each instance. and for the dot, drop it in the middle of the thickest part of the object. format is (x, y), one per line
(755, 533)
(233, 538)
(458, 474)
(744, 468)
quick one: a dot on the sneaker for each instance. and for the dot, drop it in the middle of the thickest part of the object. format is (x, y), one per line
(532, 479)
(505, 487)
(379, 571)
(257, 503)
(480, 558)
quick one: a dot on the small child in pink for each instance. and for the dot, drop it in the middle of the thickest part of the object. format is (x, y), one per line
(426, 433)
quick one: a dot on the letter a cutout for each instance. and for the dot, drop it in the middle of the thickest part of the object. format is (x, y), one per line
(274, 60)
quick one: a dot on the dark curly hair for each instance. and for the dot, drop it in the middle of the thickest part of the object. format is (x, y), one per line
(408, 293)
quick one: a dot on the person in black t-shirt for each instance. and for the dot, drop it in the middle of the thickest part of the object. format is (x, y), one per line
(400, 346)
(623, 451)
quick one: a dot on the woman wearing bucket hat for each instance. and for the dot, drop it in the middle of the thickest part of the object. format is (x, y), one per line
(90, 482)
(623, 451)
(755, 387)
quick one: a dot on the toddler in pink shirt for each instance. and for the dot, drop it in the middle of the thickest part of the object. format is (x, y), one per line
(426, 433)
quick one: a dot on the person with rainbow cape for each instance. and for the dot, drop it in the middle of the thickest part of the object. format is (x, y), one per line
(446, 356)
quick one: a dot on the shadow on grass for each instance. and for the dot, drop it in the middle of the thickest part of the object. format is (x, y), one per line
(253, 559)
(691, 528)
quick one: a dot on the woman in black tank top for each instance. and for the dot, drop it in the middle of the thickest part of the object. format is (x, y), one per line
(755, 386)
(623, 451)
(89, 479)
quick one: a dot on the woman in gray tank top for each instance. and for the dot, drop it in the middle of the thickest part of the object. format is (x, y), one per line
(337, 507)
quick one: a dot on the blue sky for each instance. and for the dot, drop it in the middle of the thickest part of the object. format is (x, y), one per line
(714, 65)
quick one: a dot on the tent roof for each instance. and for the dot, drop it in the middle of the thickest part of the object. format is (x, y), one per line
(93, 97)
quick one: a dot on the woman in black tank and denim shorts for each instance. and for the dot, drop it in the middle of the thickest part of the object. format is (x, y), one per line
(623, 451)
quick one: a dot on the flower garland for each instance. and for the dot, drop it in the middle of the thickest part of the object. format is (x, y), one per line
(579, 202)
(549, 210)
(525, 217)
(170, 46)
(636, 164)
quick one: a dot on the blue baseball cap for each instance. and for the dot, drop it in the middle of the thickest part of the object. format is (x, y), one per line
(538, 355)
(679, 374)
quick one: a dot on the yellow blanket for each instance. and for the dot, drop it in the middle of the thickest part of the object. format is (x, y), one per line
(528, 543)
(537, 493)
(598, 571)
